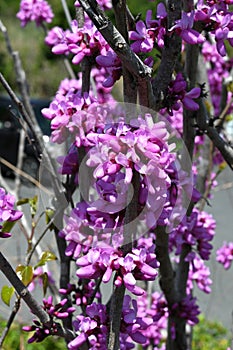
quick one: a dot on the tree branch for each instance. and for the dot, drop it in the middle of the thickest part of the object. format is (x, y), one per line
(170, 54)
(224, 148)
(24, 293)
(116, 41)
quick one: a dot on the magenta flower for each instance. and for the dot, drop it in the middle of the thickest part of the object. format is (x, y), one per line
(58, 311)
(187, 309)
(197, 230)
(143, 38)
(91, 328)
(225, 255)
(223, 32)
(177, 92)
(141, 264)
(7, 211)
(131, 324)
(34, 10)
(183, 28)
(113, 67)
(153, 307)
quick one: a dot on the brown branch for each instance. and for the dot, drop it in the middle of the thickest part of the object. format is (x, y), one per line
(117, 298)
(129, 82)
(165, 268)
(170, 54)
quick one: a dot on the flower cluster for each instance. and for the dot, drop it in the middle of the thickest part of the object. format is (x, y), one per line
(218, 70)
(140, 264)
(177, 93)
(34, 10)
(82, 42)
(82, 293)
(92, 327)
(216, 18)
(76, 114)
(132, 325)
(187, 309)
(200, 274)
(225, 255)
(146, 35)
(196, 230)
(7, 211)
(58, 311)
(155, 308)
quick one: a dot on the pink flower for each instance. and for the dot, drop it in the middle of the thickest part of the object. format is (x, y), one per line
(7, 211)
(34, 10)
(225, 255)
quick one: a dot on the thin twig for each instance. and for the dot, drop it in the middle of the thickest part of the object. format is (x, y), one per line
(25, 175)
(67, 12)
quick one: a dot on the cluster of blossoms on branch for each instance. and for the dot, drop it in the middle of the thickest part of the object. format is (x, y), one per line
(116, 150)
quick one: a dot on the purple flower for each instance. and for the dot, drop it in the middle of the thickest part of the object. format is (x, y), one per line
(141, 264)
(153, 307)
(197, 230)
(187, 309)
(183, 28)
(177, 92)
(223, 32)
(91, 328)
(144, 38)
(58, 311)
(154, 30)
(34, 10)
(112, 64)
(132, 324)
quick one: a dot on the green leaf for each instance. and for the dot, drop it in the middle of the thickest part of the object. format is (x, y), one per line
(33, 205)
(7, 226)
(32, 202)
(49, 213)
(45, 280)
(22, 201)
(6, 294)
(45, 257)
(25, 273)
